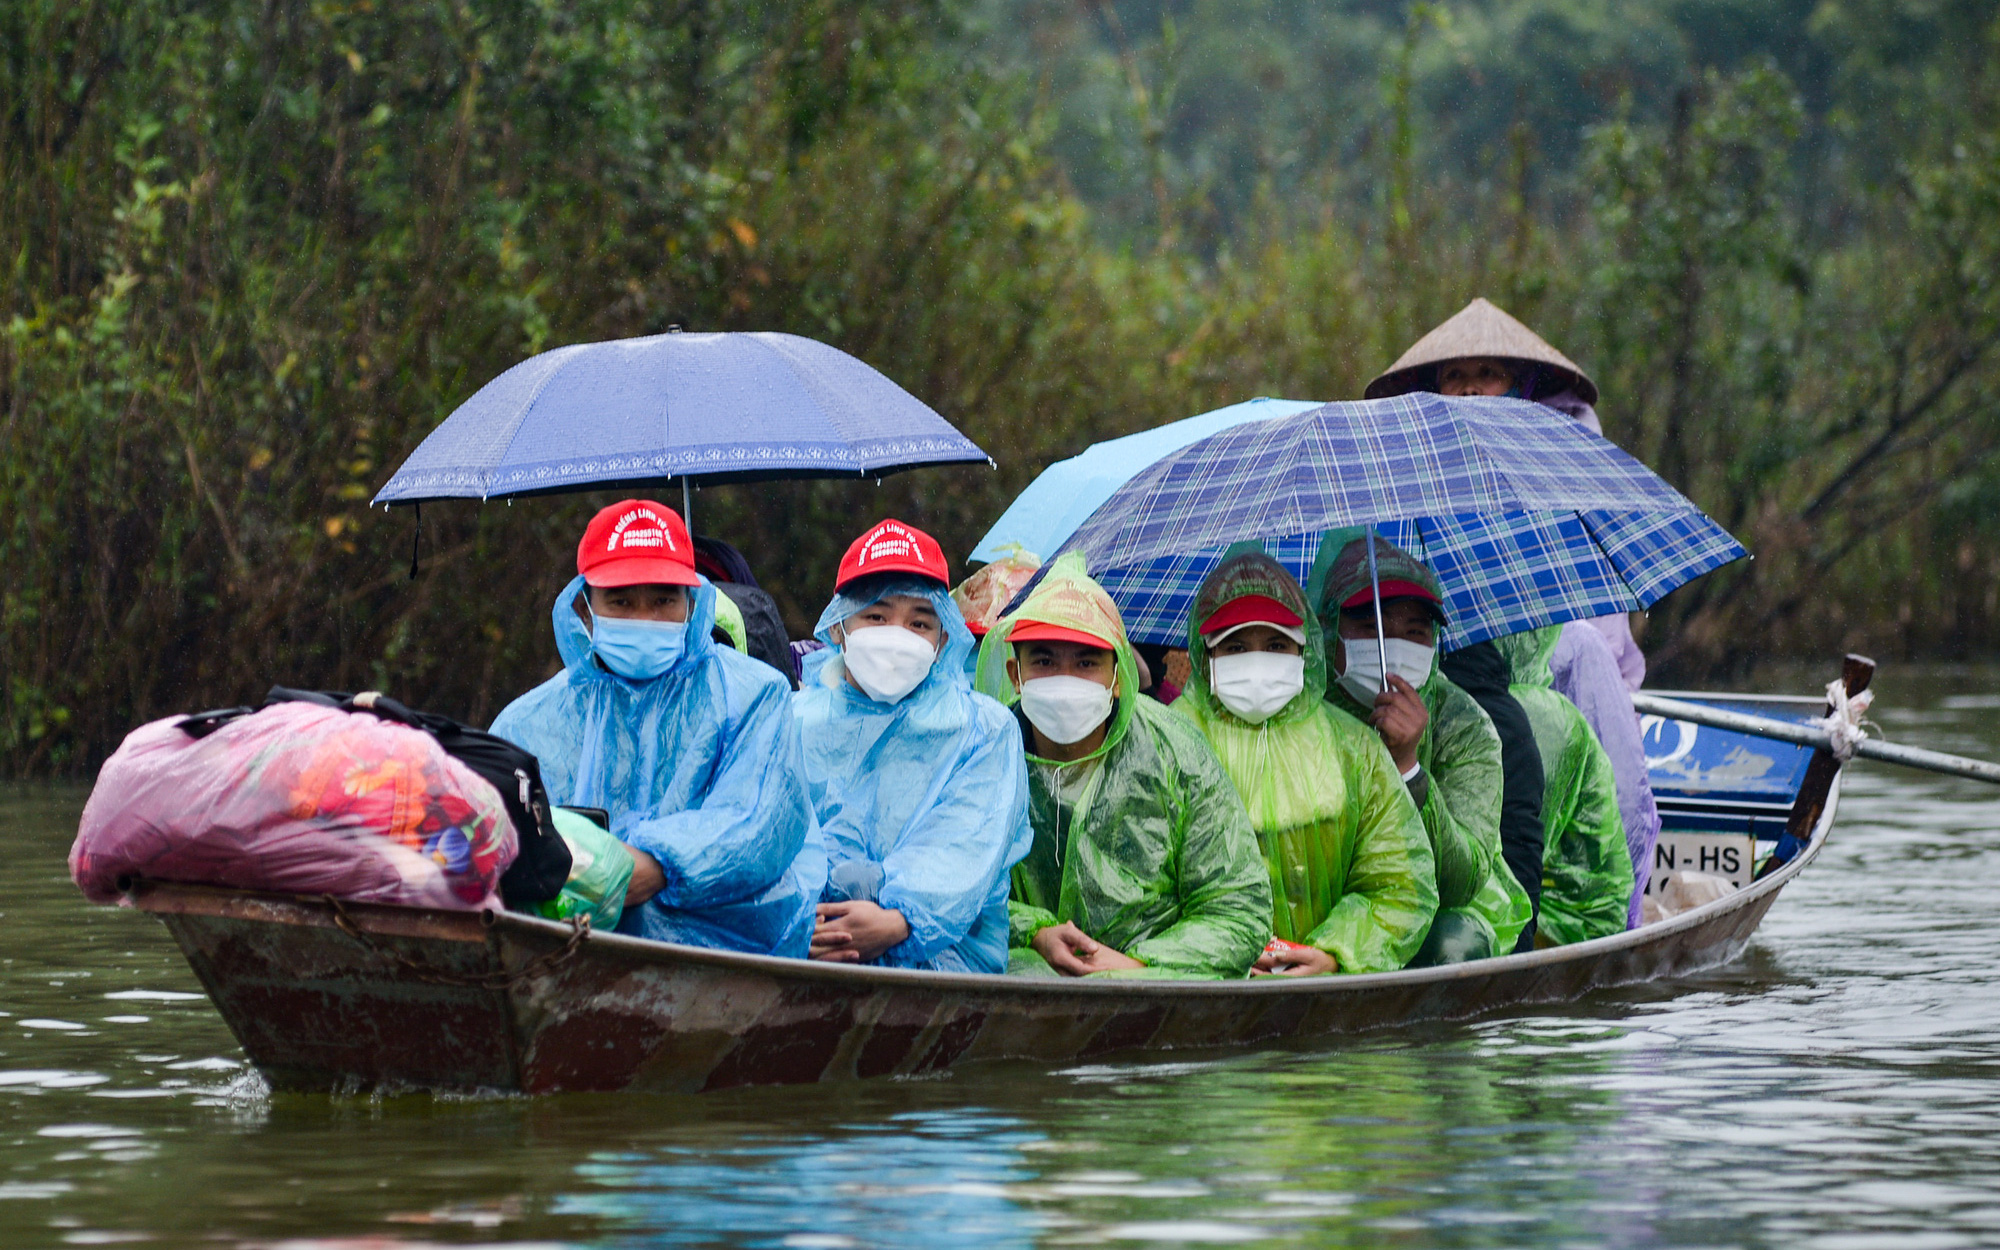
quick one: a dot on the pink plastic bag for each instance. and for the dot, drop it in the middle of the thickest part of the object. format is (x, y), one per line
(299, 799)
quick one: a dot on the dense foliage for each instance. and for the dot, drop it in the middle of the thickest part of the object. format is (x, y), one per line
(254, 251)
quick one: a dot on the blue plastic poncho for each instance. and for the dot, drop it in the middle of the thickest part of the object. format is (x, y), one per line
(922, 804)
(699, 767)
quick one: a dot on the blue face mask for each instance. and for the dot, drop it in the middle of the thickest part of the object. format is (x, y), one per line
(637, 649)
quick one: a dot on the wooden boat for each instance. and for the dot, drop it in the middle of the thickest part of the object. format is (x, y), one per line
(324, 995)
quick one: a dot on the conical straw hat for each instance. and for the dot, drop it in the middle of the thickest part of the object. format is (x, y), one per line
(1481, 328)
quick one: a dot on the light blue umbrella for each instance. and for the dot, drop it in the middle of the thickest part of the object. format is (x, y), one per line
(1068, 491)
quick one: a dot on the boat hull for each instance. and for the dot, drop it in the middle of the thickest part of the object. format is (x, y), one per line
(329, 996)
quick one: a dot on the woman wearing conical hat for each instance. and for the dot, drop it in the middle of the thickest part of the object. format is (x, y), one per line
(1482, 350)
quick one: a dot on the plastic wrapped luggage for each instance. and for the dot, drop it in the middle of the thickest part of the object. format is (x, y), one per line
(297, 798)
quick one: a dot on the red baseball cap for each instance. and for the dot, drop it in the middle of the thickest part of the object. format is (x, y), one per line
(893, 547)
(1042, 631)
(1251, 610)
(637, 543)
(1397, 589)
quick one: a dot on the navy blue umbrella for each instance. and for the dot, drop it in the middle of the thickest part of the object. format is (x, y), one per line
(707, 407)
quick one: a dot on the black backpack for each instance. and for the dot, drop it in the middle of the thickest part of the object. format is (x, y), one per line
(541, 866)
(763, 628)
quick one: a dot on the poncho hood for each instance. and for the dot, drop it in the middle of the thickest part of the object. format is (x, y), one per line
(1527, 655)
(1247, 569)
(947, 669)
(1066, 596)
(1340, 570)
(573, 639)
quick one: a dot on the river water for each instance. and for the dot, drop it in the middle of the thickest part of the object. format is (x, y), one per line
(1837, 1087)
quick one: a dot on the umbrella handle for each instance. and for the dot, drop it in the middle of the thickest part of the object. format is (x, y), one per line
(1375, 584)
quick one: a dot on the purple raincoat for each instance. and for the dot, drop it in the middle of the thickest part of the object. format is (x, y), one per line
(1587, 674)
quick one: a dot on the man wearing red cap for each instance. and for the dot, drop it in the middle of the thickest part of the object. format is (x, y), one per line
(920, 794)
(1143, 856)
(689, 745)
(1353, 883)
(1443, 743)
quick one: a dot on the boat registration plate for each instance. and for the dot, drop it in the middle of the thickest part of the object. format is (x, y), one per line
(1731, 856)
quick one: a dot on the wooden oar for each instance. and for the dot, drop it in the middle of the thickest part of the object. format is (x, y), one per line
(1810, 736)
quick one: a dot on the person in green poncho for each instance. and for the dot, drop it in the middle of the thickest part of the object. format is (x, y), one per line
(1143, 857)
(1352, 880)
(1586, 868)
(1442, 742)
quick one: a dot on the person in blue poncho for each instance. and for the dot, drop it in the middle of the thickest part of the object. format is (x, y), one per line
(918, 782)
(689, 745)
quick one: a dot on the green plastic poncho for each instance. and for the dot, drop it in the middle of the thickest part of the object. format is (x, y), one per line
(1459, 752)
(1586, 870)
(729, 619)
(1350, 864)
(1155, 857)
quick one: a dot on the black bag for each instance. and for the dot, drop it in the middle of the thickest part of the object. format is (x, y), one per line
(763, 628)
(541, 865)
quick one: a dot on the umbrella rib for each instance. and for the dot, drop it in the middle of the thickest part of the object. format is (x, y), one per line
(1424, 549)
(521, 420)
(858, 462)
(1423, 544)
(667, 442)
(1583, 519)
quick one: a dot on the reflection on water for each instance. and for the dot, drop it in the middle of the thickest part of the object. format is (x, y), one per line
(1837, 1087)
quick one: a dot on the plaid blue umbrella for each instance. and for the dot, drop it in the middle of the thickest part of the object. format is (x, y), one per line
(1064, 495)
(1527, 518)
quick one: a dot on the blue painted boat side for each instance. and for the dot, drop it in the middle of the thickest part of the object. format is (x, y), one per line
(1708, 780)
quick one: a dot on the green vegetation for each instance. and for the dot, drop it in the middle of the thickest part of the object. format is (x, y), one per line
(254, 251)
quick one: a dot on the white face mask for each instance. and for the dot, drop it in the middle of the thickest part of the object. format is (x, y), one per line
(1065, 709)
(1257, 684)
(1362, 678)
(887, 661)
